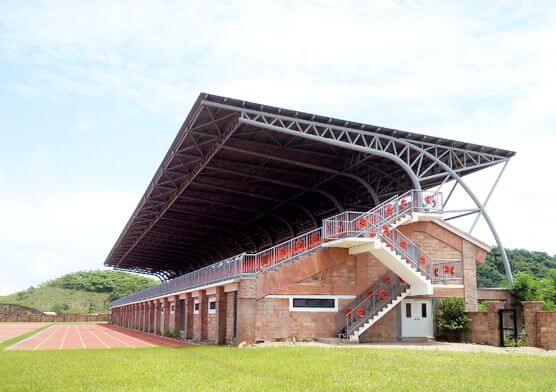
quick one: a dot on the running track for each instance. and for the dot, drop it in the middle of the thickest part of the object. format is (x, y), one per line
(11, 330)
(87, 336)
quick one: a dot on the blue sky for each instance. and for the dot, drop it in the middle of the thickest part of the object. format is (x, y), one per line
(92, 94)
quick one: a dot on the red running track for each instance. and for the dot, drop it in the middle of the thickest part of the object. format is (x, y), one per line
(11, 330)
(87, 336)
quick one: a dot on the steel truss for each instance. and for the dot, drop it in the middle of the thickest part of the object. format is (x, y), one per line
(422, 161)
(229, 150)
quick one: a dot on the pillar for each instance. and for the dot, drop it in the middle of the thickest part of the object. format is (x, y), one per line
(156, 317)
(165, 326)
(220, 325)
(246, 310)
(530, 309)
(470, 276)
(188, 333)
(177, 314)
(203, 314)
(151, 316)
(493, 320)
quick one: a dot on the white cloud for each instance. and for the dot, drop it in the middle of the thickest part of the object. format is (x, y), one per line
(479, 73)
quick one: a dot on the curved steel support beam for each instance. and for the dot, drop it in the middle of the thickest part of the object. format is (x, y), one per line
(338, 143)
(408, 170)
(366, 185)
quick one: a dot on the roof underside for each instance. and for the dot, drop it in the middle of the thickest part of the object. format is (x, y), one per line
(228, 185)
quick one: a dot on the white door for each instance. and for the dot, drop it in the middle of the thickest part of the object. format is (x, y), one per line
(417, 318)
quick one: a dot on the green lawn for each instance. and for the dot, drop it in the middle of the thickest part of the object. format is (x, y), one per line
(280, 369)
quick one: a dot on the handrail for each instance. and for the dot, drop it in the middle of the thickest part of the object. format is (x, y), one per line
(252, 264)
(371, 305)
(381, 283)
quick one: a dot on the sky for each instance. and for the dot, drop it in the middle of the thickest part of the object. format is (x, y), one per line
(93, 93)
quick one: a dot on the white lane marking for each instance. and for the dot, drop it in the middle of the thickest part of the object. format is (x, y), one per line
(114, 337)
(97, 338)
(80, 338)
(29, 338)
(48, 337)
(64, 338)
(131, 337)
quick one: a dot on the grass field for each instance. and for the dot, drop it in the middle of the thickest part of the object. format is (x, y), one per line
(280, 369)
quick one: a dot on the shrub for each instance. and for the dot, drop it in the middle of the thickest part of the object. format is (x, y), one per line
(171, 334)
(451, 318)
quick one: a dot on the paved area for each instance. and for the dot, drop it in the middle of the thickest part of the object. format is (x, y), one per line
(11, 330)
(88, 336)
(424, 346)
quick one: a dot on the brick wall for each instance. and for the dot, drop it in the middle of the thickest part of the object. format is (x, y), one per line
(540, 326)
(485, 326)
(59, 318)
(276, 322)
(387, 329)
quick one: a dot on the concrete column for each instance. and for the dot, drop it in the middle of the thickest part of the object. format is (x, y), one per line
(152, 317)
(188, 316)
(530, 309)
(246, 310)
(156, 317)
(134, 316)
(493, 321)
(203, 313)
(470, 276)
(148, 316)
(140, 316)
(221, 312)
(177, 314)
(165, 316)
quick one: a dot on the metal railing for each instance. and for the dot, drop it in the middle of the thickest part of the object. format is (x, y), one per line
(447, 270)
(232, 268)
(217, 272)
(348, 223)
(281, 253)
(343, 225)
(372, 304)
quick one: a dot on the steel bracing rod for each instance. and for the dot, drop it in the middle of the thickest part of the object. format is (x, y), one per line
(450, 194)
(328, 136)
(301, 164)
(312, 166)
(235, 207)
(489, 195)
(230, 129)
(457, 157)
(249, 194)
(462, 215)
(282, 183)
(234, 238)
(342, 144)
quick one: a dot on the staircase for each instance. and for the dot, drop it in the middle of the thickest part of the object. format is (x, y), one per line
(380, 299)
(375, 232)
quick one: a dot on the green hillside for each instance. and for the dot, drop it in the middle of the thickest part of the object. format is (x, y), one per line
(81, 292)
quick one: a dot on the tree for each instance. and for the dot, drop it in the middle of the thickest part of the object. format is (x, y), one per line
(451, 319)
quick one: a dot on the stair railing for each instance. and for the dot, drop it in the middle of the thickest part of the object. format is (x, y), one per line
(371, 305)
(381, 283)
(281, 253)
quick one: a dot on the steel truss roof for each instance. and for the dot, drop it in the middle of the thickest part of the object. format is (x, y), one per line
(241, 176)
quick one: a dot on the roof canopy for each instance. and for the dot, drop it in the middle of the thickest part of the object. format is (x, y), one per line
(241, 176)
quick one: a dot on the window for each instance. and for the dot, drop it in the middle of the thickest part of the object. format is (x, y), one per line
(172, 309)
(313, 302)
(212, 306)
(196, 307)
(309, 304)
(424, 310)
(408, 310)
